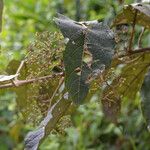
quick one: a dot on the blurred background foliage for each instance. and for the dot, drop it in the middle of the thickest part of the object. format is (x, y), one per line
(89, 130)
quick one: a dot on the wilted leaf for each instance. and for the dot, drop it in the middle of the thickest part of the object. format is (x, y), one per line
(145, 93)
(1, 12)
(111, 102)
(128, 14)
(85, 38)
(131, 81)
(6, 78)
(44, 55)
(45, 92)
(34, 138)
(26, 102)
(127, 84)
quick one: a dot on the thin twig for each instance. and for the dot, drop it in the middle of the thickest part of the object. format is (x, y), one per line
(136, 51)
(56, 90)
(140, 38)
(13, 82)
(20, 66)
(28, 81)
(132, 33)
(19, 69)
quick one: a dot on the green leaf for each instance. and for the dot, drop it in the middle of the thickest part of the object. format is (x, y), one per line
(34, 138)
(45, 54)
(100, 43)
(125, 85)
(128, 14)
(69, 28)
(145, 94)
(1, 12)
(76, 84)
(88, 52)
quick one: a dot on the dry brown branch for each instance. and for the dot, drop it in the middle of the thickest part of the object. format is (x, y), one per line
(28, 81)
(132, 33)
(135, 51)
(140, 38)
(56, 90)
(19, 69)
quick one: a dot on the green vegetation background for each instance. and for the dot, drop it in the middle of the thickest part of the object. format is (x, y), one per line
(90, 129)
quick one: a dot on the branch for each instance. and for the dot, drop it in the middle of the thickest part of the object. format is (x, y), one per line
(140, 37)
(19, 69)
(24, 82)
(135, 51)
(56, 90)
(132, 33)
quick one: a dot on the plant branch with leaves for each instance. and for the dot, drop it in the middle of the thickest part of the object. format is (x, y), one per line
(59, 72)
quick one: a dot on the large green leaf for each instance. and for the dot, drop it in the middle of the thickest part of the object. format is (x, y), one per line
(129, 12)
(90, 37)
(1, 12)
(145, 93)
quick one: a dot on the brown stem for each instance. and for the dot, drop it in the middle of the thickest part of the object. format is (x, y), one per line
(23, 82)
(19, 69)
(132, 33)
(140, 37)
(136, 51)
(28, 81)
(56, 90)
